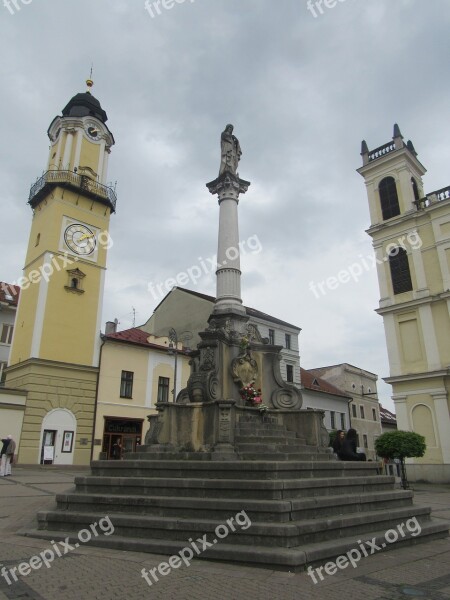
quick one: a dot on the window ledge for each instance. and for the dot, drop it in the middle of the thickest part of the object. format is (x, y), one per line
(72, 289)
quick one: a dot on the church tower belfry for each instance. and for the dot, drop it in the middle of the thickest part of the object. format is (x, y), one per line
(55, 348)
(410, 231)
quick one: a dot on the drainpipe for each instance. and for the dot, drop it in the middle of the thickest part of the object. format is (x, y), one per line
(103, 338)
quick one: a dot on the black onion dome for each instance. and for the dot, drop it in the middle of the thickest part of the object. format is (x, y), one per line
(84, 105)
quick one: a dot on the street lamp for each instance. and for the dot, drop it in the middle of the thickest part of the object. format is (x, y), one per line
(184, 337)
(173, 349)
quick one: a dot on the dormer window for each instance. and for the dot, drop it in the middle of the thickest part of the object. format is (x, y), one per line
(389, 198)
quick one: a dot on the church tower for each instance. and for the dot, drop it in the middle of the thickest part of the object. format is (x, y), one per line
(411, 238)
(55, 349)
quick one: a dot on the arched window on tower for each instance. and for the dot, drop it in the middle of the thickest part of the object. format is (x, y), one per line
(415, 189)
(75, 279)
(389, 198)
(400, 273)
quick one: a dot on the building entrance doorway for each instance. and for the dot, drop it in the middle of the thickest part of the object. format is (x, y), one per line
(127, 431)
(48, 447)
(59, 428)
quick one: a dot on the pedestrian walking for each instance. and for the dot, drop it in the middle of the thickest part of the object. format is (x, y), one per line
(7, 455)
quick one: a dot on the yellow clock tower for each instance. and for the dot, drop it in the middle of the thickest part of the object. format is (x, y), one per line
(55, 349)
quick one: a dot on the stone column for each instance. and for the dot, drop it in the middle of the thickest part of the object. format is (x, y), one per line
(228, 297)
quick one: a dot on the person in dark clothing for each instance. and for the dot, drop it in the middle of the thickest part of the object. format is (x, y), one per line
(117, 450)
(337, 442)
(348, 447)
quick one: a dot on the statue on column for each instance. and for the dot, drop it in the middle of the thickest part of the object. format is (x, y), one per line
(230, 151)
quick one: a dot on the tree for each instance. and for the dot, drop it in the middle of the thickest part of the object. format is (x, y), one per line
(400, 445)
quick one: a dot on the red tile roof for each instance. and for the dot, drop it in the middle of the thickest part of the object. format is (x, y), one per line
(9, 293)
(312, 381)
(387, 417)
(135, 336)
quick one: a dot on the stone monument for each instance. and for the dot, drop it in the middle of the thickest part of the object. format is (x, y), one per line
(235, 373)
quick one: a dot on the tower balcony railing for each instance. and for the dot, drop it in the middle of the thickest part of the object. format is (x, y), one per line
(69, 179)
(433, 198)
(381, 151)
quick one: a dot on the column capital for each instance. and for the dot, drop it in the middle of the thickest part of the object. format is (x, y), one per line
(228, 186)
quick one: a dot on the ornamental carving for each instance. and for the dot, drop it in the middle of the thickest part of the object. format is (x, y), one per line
(207, 360)
(244, 369)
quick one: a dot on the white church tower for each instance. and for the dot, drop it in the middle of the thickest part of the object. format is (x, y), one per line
(411, 238)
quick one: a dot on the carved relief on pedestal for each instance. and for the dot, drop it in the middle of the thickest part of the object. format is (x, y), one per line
(244, 369)
(224, 424)
(286, 398)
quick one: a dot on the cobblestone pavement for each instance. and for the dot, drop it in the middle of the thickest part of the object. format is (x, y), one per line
(421, 571)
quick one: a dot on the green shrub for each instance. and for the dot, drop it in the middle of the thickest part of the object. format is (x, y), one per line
(400, 444)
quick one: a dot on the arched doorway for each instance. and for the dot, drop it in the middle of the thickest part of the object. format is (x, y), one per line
(59, 428)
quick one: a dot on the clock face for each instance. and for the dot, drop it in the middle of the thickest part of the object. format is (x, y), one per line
(80, 239)
(93, 131)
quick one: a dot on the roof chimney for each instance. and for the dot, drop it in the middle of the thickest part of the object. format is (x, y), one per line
(111, 327)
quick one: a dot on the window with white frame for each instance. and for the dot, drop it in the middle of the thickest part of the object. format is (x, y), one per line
(126, 384)
(288, 341)
(6, 333)
(289, 373)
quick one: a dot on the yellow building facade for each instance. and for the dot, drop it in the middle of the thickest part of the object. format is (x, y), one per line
(411, 237)
(137, 370)
(56, 343)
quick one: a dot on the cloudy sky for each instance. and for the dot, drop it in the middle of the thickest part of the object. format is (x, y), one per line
(302, 92)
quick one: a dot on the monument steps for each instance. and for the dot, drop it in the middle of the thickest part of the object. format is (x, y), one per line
(168, 468)
(294, 559)
(256, 509)
(293, 534)
(280, 455)
(270, 439)
(269, 489)
(300, 512)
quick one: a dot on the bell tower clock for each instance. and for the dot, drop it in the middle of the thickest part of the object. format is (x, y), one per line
(55, 349)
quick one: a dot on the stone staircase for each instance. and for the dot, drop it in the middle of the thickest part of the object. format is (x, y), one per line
(265, 439)
(304, 506)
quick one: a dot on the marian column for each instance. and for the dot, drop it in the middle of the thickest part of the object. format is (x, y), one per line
(228, 186)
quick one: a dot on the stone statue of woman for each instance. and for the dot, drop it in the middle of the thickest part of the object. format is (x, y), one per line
(230, 151)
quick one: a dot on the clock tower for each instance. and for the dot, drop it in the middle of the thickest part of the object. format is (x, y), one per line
(55, 348)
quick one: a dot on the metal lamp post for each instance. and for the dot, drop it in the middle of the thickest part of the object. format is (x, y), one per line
(173, 349)
(174, 338)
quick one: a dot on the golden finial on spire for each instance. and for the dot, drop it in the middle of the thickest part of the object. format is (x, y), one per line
(89, 82)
